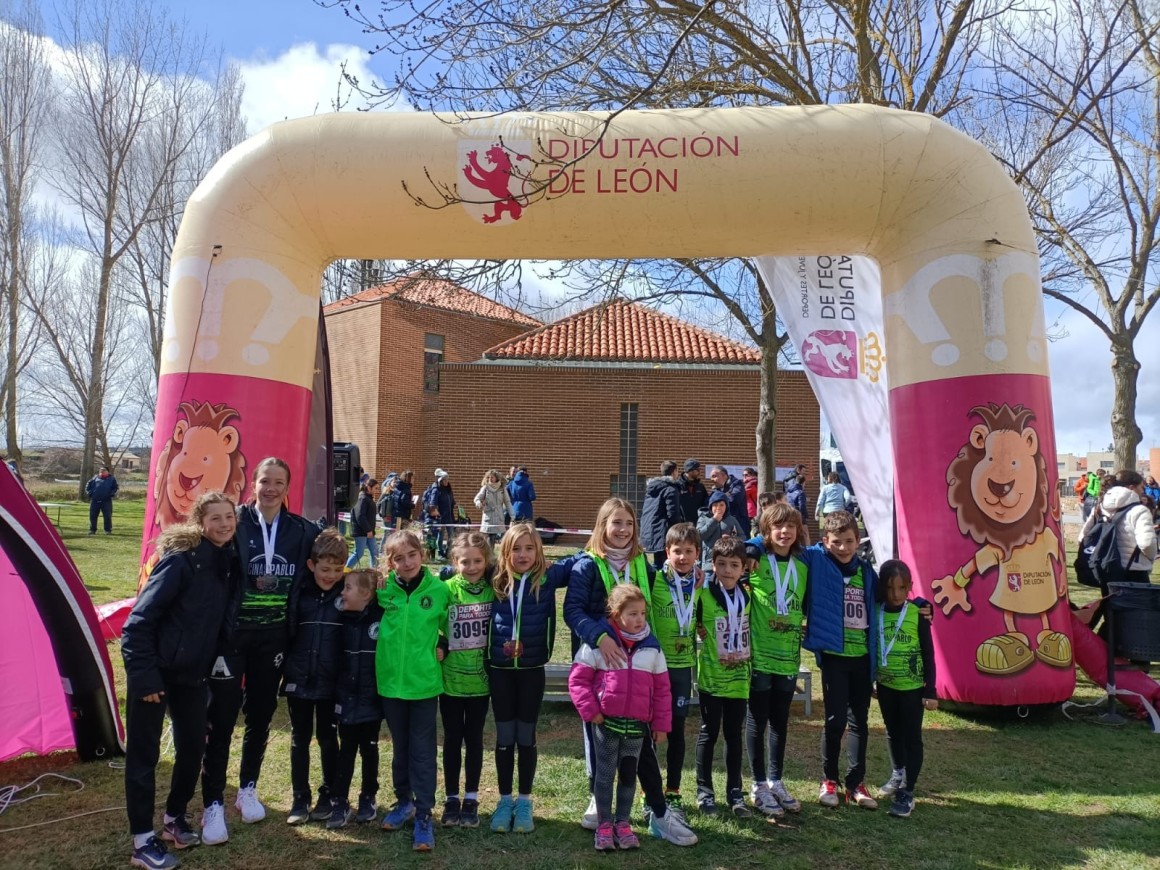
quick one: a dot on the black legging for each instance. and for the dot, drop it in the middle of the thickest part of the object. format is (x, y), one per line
(902, 714)
(463, 720)
(516, 696)
(715, 713)
(768, 707)
(846, 695)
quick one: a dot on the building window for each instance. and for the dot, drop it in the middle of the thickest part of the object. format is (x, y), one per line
(1107, 463)
(432, 356)
(628, 485)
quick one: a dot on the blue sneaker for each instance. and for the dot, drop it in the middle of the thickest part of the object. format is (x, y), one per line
(154, 856)
(424, 837)
(501, 819)
(400, 814)
(522, 816)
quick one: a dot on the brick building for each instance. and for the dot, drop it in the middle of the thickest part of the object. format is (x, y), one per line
(591, 404)
(386, 346)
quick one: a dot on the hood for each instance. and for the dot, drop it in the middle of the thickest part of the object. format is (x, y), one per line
(1118, 497)
(792, 485)
(655, 485)
(520, 477)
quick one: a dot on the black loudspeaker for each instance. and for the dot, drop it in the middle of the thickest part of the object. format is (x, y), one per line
(347, 471)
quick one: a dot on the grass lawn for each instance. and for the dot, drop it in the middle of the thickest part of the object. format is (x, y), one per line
(996, 792)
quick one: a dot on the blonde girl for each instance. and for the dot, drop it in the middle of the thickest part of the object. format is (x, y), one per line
(614, 556)
(466, 690)
(523, 627)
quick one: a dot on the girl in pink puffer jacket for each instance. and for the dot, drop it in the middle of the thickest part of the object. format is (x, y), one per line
(625, 704)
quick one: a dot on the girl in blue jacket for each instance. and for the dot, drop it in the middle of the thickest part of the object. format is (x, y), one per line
(523, 628)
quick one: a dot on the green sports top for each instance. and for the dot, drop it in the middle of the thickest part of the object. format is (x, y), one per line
(855, 617)
(724, 657)
(900, 653)
(777, 635)
(468, 624)
(677, 642)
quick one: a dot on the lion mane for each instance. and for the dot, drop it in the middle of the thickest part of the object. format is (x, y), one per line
(197, 415)
(972, 520)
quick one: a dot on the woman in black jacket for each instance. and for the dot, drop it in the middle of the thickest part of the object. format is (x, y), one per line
(402, 498)
(364, 524)
(181, 620)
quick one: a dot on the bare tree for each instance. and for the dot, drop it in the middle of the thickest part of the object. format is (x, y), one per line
(1075, 114)
(213, 125)
(129, 84)
(25, 100)
(506, 55)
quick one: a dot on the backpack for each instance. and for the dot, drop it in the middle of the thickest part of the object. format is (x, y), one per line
(386, 505)
(1098, 561)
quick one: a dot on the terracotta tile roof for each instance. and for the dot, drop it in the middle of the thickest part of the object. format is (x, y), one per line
(623, 331)
(436, 293)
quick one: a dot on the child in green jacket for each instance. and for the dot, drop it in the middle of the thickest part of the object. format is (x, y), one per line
(410, 679)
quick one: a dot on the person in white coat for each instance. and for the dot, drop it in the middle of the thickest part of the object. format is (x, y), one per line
(1136, 534)
(495, 503)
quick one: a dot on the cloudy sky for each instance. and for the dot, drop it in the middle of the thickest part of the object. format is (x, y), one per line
(290, 52)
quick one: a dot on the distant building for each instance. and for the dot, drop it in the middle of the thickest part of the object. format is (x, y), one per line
(426, 374)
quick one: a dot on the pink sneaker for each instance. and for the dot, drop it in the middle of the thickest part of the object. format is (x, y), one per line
(625, 838)
(604, 837)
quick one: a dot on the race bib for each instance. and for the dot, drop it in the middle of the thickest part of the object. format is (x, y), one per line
(467, 626)
(726, 653)
(855, 616)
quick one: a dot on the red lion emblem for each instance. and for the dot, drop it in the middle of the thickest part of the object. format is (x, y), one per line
(496, 181)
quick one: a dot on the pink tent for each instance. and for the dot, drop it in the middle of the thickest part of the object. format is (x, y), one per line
(57, 681)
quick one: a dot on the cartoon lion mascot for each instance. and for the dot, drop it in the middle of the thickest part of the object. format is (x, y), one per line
(1000, 492)
(202, 455)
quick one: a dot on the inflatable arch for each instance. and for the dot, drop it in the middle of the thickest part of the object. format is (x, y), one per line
(966, 352)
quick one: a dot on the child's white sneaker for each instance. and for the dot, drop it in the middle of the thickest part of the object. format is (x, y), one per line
(591, 820)
(788, 802)
(764, 801)
(248, 804)
(213, 825)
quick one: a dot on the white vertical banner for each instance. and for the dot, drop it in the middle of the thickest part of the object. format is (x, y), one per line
(832, 308)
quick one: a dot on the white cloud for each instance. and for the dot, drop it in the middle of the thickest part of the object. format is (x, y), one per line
(304, 80)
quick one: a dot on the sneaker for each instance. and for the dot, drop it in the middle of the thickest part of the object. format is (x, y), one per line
(249, 805)
(623, 836)
(423, 839)
(861, 797)
(764, 801)
(299, 812)
(469, 814)
(781, 794)
(676, 806)
(154, 856)
(591, 820)
(828, 796)
(707, 804)
(339, 815)
(322, 809)
(737, 805)
(897, 780)
(903, 804)
(401, 813)
(672, 830)
(605, 837)
(501, 817)
(451, 813)
(366, 809)
(213, 825)
(522, 816)
(180, 833)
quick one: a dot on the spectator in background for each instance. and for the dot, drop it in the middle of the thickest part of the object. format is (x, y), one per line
(798, 470)
(11, 466)
(402, 500)
(795, 493)
(522, 494)
(492, 499)
(693, 494)
(101, 491)
(749, 480)
(661, 511)
(439, 511)
(769, 499)
(734, 491)
(833, 497)
(1152, 489)
(715, 522)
